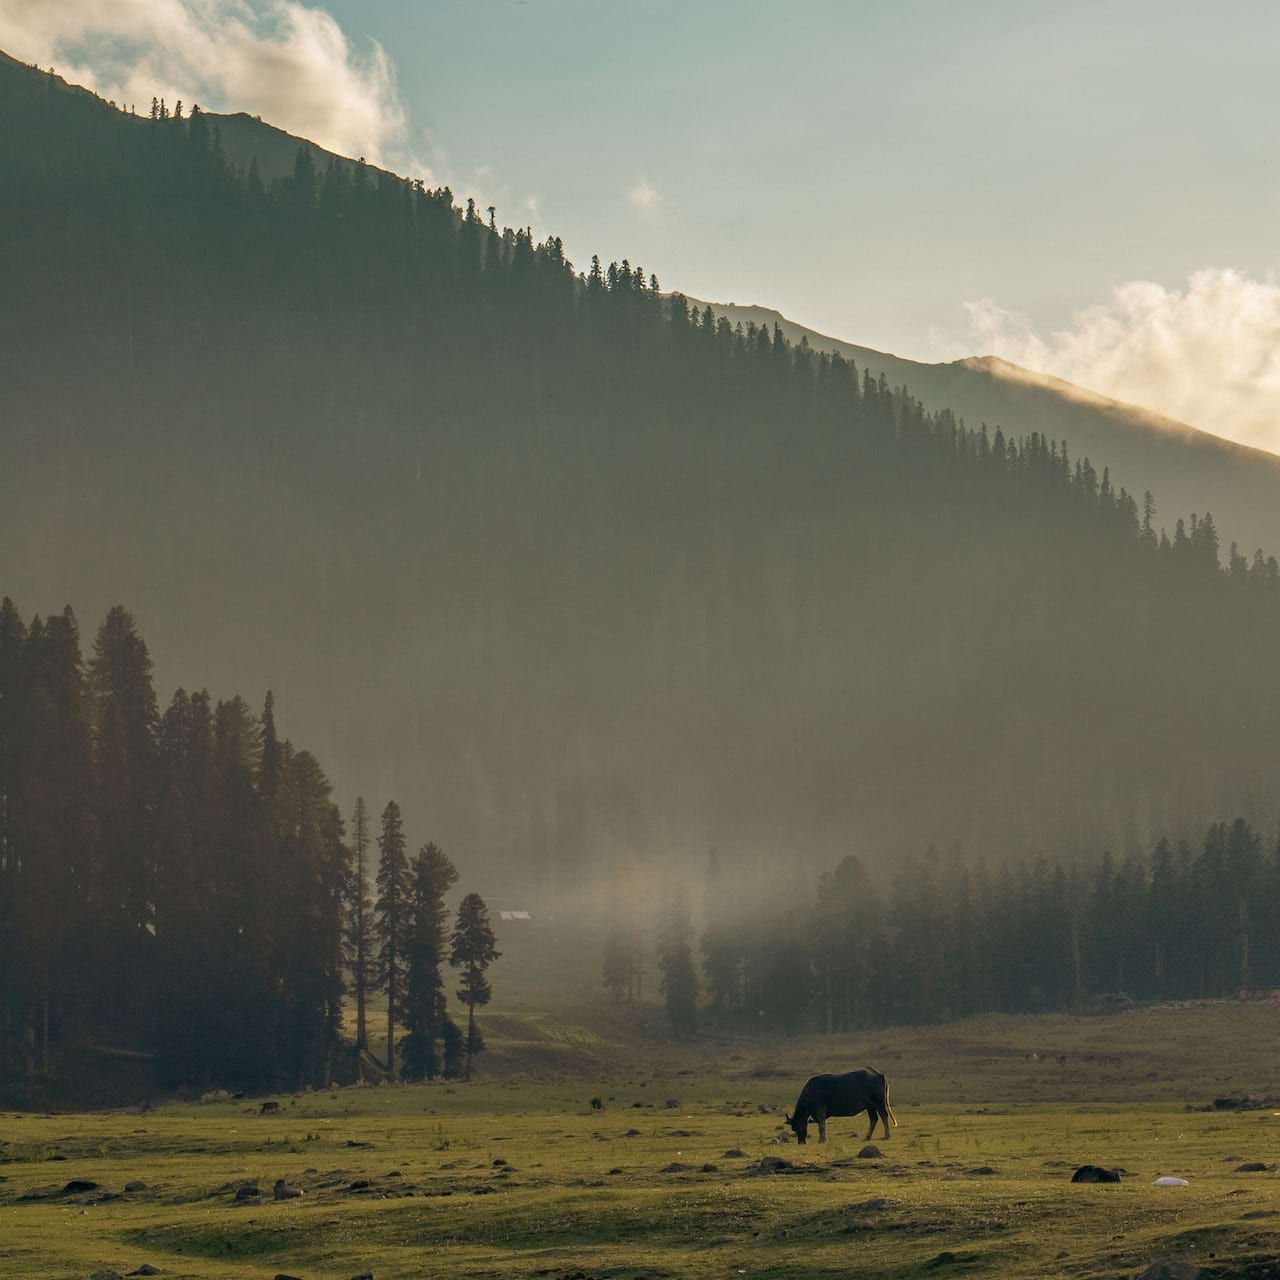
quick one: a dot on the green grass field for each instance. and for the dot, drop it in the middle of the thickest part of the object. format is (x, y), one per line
(516, 1176)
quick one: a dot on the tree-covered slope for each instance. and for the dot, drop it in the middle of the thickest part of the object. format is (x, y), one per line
(1189, 469)
(568, 568)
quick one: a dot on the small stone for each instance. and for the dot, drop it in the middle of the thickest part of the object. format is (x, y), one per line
(285, 1192)
(672, 1104)
(981, 1171)
(710, 1168)
(870, 1153)
(360, 1184)
(248, 1193)
(136, 1185)
(632, 1133)
(676, 1167)
(146, 1270)
(1251, 1166)
(79, 1184)
(613, 1173)
(1095, 1173)
(364, 1275)
(734, 1154)
(105, 1274)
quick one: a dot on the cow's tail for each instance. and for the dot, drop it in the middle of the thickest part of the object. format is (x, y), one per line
(887, 1107)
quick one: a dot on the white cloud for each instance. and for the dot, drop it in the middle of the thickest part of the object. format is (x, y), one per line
(1207, 354)
(291, 64)
(644, 197)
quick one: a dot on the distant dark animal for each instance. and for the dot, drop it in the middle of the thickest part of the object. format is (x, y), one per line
(268, 1107)
(848, 1095)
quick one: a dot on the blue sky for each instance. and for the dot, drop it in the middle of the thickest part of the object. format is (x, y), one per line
(1090, 188)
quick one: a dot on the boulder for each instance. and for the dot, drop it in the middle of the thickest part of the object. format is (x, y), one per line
(136, 1185)
(77, 1185)
(283, 1191)
(734, 1154)
(1095, 1173)
(676, 1167)
(1251, 1166)
(248, 1193)
(870, 1152)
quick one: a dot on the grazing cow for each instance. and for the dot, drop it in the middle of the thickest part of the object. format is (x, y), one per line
(846, 1095)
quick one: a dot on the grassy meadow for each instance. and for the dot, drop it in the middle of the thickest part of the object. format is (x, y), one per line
(517, 1175)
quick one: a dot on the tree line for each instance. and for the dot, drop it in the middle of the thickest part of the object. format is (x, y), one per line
(181, 882)
(952, 936)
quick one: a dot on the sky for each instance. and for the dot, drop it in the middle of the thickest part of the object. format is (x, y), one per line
(1088, 189)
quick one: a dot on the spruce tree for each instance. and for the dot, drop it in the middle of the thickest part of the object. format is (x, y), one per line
(360, 924)
(425, 1005)
(473, 950)
(393, 915)
(678, 979)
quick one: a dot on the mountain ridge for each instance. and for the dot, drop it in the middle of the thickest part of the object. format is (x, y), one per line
(576, 577)
(1187, 468)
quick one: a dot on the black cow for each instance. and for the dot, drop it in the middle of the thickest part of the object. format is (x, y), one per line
(846, 1095)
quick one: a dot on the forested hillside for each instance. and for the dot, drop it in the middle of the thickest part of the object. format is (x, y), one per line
(1189, 468)
(579, 570)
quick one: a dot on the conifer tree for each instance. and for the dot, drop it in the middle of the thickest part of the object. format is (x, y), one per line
(360, 923)
(432, 874)
(393, 914)
(473, 950)
(678, 980)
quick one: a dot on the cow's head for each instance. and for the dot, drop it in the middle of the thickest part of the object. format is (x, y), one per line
(799, 1126)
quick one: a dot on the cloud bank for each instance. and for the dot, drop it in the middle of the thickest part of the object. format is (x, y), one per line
(1207, 354)
(291, 64)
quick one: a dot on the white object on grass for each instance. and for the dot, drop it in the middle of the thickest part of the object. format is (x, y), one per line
(1171, 1182)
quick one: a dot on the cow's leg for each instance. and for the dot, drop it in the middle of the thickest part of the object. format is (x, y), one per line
(871, 1111)
(884, 1119)
(822, 1128)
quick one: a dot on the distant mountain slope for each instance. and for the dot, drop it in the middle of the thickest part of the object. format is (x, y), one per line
(1187, 469)
(244, 138)
(570, 575)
